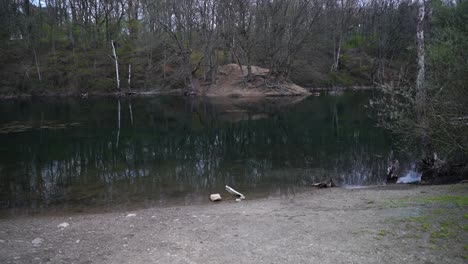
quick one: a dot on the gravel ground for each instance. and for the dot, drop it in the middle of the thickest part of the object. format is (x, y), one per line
(395, 224)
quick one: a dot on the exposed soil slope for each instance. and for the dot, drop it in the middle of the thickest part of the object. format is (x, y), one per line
(231, 82)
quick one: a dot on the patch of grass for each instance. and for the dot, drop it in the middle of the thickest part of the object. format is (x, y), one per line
(418, 219)
(456, 187)
(444, 232)
(448, 199)
(438, 211)
(423, 222)
(426, 226)
(440, 220)
(438, 235)
(382, 232)
(448, 224)
(457, 200)
(449, 227)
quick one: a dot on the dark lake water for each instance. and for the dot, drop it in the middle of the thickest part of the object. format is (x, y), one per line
(75, 155)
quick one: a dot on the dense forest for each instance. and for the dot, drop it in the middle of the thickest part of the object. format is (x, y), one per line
(66, 46)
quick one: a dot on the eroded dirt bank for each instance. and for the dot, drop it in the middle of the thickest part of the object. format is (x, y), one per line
(397, 224)
(231, 81)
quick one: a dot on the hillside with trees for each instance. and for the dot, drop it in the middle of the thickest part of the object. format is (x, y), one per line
(66, 46)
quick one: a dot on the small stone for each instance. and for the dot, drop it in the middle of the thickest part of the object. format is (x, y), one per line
(63, 225)
(77, 241)
(37, 241)
(131, 215)
(215, 197)
(2, 241)
(238, 199)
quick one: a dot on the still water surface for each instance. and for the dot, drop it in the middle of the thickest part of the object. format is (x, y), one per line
(109, 154)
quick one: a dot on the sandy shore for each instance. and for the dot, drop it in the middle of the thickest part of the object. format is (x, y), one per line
(397, 224)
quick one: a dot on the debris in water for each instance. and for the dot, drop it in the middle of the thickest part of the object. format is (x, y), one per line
(37, 241)
(215, 197)
(63, 225)
(16, 127)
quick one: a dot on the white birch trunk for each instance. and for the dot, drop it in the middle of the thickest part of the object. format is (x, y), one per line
(116, 66)
(420, 89)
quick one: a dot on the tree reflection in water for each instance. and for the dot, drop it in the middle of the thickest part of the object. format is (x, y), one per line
(175, 150)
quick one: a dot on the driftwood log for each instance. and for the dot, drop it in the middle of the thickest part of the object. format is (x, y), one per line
(325, 184)
(234, 192)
